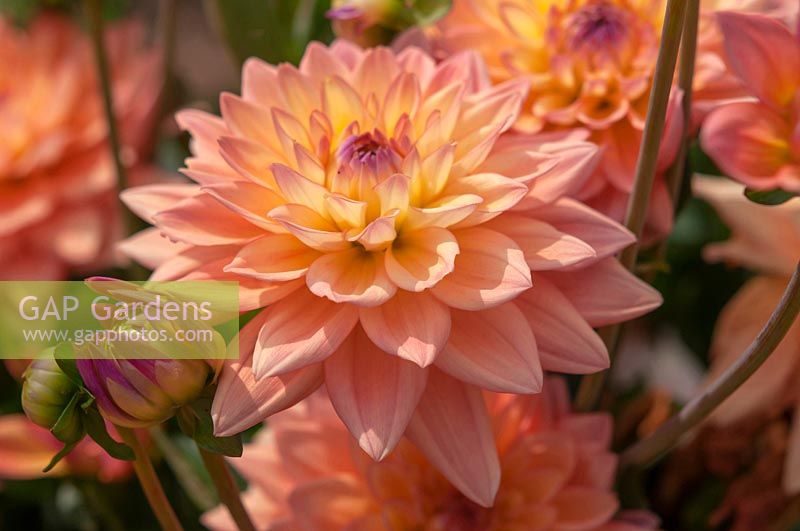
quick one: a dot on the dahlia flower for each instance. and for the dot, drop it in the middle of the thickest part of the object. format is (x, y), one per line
(756, 141)
(370, 203)
(57, 179)
(557, 471)
(590, 64)
(771, 247)
(26, 449)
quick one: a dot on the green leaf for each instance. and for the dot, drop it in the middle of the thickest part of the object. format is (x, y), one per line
(65, 359)
(96, 428)
(274, 30)
(769, 197)
(60, 455)
(69, 426)
(195, 421)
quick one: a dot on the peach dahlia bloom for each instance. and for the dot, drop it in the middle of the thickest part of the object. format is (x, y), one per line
(57, 181)
(757, 141)
(766, 240)
(370, 203)
(558, 474)
(590, 64)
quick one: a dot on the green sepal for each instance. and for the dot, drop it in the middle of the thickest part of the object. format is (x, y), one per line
(69, 426)
(60, 455)
(65, 359)
(769, 197)
(195, 421)
(96, 428)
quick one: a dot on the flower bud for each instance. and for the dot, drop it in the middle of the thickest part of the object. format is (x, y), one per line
(373, 22)
(365, 22)
(140, 393)
(46, 392)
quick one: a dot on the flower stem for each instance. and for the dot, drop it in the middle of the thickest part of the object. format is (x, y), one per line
(196, 489)
(149, 481)
(592, 385)
(226, 488)
(678, 172)
(94, 10)
(648, 450)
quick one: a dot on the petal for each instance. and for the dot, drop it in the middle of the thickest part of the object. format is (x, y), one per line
(606, 293)
(375, 394)
(413, 326)
(247, 119)
(300, 330)
(242, 401)
(299, 190)
(275, 257)
(451, 427)
(606, 236)
(583, 507)
(419, 259)
(566, 341)
(346, 213)
(737, 327)
(544, 246)
(310, 228)
(764, 55)
(202, 220)
(378, 234)
(355, 276)
(493, 349)
(490, 270)
(748, 141)
(146, 201)
(150, 248)
(443, 213)
(393, 193)
(329, 504)
(499, 194)
(249, 200)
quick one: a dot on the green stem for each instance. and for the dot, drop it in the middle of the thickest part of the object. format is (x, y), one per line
(196, 489)
(592, 385)
(226, 488)
(94, 10)
(149, 481)
(678, 171)
(648, 450)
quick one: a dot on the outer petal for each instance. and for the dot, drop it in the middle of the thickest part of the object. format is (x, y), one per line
(300, 330)
(566, 342)
(606, 293)
(275, 257)
(413, 326)
(493, 349)
(606, 236)
(490, 270)
(242, 401)
(739, 323)
(202, 220)
(584, 507)
(146, 201)
(764, 55)
(355, 276)
(419, 259)
(748, 141)
(375, 394)
(452, 428)
(545, 247)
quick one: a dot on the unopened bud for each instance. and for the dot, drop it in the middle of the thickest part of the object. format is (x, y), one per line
(46, 392)
(141, 393)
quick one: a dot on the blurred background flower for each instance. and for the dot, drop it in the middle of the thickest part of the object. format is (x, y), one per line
(557, 469)
(57, 181)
